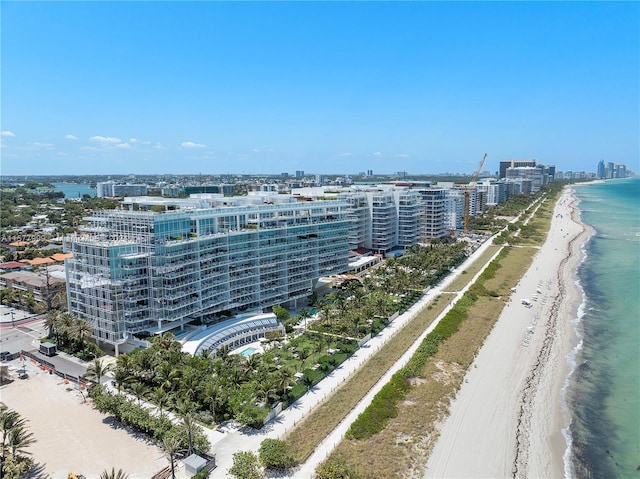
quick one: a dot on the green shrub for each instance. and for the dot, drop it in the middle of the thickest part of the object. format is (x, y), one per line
(382, 408)
(274, 453)
(245, 465)
(334, 469)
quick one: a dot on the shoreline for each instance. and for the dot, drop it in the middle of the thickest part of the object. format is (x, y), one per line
(556, 372)
(509, 416)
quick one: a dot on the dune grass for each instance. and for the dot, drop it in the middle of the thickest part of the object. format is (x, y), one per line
(468, 273)
(402, 448)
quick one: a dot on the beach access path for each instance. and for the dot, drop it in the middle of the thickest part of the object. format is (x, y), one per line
(508, 416)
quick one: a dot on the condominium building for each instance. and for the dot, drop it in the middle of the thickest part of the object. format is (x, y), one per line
(432, 212)
(496, 191)
(111, 188)
(454, 209)
(505, 164)
(534, 173)
(155, 269)
(383, 219)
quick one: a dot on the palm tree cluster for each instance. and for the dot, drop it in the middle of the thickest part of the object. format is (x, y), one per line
(71, 334)
(221, 387)
(383, 289)
(16, 438)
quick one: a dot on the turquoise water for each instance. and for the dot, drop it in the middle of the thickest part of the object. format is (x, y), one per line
(247, 352)
(605, 390)
(74, 190)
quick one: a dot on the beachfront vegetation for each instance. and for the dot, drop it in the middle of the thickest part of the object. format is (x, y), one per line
(334, 468)
(112, 474)
(410, 434)
(16, 438)
(245, 466)
(275, 454)
(71, 335)
(160, 427)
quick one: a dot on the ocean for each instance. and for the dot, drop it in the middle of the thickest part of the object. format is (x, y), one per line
(604, 390)
(74, 190)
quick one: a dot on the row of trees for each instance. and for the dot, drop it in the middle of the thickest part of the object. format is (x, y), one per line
(177, 438)
(16, 438)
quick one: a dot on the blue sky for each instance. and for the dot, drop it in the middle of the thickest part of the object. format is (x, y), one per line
(326, 87)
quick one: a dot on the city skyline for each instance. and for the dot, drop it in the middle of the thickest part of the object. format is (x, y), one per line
(324, 87)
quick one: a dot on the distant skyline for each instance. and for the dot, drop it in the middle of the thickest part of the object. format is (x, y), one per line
(325, 87)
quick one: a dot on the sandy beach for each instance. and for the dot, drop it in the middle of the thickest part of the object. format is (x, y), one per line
(72, 436)
(508, 416)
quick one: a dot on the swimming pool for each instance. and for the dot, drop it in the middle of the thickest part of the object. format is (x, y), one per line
(247, 352)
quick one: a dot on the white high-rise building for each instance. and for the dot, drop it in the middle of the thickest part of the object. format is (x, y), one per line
(150, 271)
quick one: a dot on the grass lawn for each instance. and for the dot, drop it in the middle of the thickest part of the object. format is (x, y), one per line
(463, 279)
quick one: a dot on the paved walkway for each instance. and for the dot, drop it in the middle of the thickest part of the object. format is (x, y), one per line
(234, 440)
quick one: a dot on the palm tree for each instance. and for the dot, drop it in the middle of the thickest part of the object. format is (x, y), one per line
(15, 436)
(171, 446)
(223, 352)
(8, 420)
(166, 342)
(97, 370)
(81, 330)
(122, 377)
(52, 322)
(138, 390)
(66, 326)
(212, 393)
(307, 381)
(252, 363)
(285, 379)
(304, 314)
(355, 320)
(160, 397)
(266, 391)
(119, 474)
(19, 439)
(190, 428)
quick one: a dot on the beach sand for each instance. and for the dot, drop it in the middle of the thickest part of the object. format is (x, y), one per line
(74, 437)
(508, 416)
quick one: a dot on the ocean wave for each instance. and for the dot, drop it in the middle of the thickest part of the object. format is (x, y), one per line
(573, 361)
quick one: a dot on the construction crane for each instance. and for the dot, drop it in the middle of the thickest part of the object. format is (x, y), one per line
(467, 193)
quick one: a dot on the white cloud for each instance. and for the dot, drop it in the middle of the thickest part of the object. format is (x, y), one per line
(107, 140)
(191, 144)
(43, 145)
(158, 146)
(376, 153)
(70, 137)
(344, 154)
(402, 156)
(133, 141)
(124, 146)
(8, 133)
